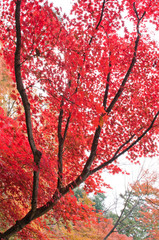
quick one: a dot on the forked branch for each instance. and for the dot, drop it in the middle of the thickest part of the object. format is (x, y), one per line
(61, 140)
(99, 22)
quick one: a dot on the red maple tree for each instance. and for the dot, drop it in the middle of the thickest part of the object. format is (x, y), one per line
(89, 92)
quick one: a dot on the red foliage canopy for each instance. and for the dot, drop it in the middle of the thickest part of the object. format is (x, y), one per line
(89, 88)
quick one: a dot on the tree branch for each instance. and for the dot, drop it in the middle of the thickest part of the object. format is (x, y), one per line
(86, 170)
(101, 16)
(98, 129)
(37, 154)
(60, 149)
(119, 220)
(67, 125)
(116, 155)
(61, 140)
(90, 41)
(121, 88)
(19, 82)
(108, 80)
(93, 150)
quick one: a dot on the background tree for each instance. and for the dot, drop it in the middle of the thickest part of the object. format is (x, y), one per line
(96, 101)
(139, 217)
(149, 217)
(126, 222)
(96, 226)
(99, 199)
